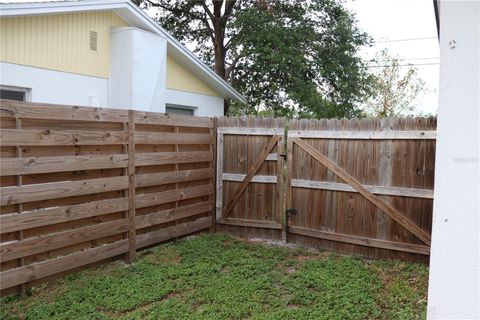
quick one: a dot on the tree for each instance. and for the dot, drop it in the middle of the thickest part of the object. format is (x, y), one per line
(287, 57)
(395, 92)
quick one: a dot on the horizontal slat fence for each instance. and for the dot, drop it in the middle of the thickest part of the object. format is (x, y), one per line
(82, 185)
(392, 158)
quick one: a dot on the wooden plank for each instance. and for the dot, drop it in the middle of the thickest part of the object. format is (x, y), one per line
(159, 158)
(238, 177)
(161, 178)
(253, 169)
(18, 109)
(250, 223)
(388, 209)
(164, 216)
(369, 135)
(33, 165)
(172, 120)
(369, 242)
(36, 137)
(131, 189)
(49, 216)
(152, 199)
(288, 188)
(18, 249)
(280, 192)
(385, 175)
(50, 267)
(251, 131)
(219, 184)
(183, 229)
(148, 137)
(383, 190)
(53, 190)
(213, 179)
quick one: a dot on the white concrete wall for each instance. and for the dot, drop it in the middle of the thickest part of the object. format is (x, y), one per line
(137, 70)
(454, 286)
(48, 86)
(205, 106)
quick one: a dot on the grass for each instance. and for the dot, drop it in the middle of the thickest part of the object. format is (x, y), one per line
(218, 277)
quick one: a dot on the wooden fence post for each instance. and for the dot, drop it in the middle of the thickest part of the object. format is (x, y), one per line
(131, 188)
(280, 185)
(288, 187)
(213, 132)
(18, 125)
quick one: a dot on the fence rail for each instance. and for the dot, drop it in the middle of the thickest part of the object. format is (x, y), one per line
(80, 185)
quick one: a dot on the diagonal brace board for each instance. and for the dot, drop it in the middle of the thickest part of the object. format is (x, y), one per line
(385, 207)
(248, 178)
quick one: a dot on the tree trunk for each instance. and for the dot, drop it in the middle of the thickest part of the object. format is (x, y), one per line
(226, 106)
(220, 59)
(219, 24)
(220, 49)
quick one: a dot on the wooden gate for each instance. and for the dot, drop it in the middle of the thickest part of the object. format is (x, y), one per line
(249, 190)
(361, 186)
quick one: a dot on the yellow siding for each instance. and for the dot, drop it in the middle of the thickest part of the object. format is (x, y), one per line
(59, 42)
(179, 78)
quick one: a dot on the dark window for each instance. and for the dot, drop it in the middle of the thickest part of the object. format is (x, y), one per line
(179, 110)
(12, 95)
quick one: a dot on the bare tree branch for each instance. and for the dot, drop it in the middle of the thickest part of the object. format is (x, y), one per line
(207, 10)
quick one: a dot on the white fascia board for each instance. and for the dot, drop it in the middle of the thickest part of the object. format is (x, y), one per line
(54, 7)
(138, 18)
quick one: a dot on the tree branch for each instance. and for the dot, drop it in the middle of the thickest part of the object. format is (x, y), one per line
(229, 8)
(207, 25)
(158, 4)
(234, 63)
(207, 10)
(217, 8)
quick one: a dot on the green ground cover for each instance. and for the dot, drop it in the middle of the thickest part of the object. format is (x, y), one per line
(218, 277)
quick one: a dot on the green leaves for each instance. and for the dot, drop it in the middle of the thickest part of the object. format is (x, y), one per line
(289, 58)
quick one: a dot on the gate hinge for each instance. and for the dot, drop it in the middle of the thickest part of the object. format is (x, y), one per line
(284, 156)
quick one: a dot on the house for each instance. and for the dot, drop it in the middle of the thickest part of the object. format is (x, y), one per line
(102, 54)
(454, 283)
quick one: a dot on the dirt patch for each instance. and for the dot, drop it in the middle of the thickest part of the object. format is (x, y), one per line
(168, 257)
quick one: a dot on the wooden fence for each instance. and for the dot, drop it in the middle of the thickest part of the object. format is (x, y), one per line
(249, 164)
(361, 186)
(81, 185)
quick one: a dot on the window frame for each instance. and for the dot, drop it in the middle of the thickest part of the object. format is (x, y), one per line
(181, 107)
(27, 91)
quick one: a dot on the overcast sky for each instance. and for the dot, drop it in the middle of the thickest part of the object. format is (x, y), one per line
(390, 20)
